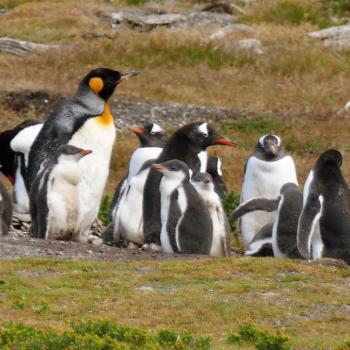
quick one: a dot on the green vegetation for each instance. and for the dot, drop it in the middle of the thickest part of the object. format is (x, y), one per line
(105, 210)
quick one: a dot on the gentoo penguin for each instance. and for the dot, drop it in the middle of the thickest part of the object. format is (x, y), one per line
(266, 171)
(288, 206)
(186, 224)
(21, 145)
(214, 169)
(185, 145)
(324, 224)
(152, 139)
(54, 196)
(5, 210)
(84, 121)
(221, 243)
(7, 155)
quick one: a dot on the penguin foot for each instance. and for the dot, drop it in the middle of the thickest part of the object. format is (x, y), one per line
(151, 247)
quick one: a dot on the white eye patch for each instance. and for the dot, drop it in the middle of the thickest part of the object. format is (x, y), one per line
(156, 128)
(203, 129)
(262, 139)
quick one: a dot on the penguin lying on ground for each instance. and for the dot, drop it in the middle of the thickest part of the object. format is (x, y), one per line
(21, 145)
(221, 243)
(5, 210)
(186, 223)
(185, 145)
(324, 224)
(152, 139)
(84, 121)
(214, 169)
(54, 196)
(288, 206)
(266, 171)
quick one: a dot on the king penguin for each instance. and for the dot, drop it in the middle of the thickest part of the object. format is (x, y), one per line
(214, 169)
(5, 210)
(184, 145)
(324, 224)
(152, 139)
(21, 145)
(186, 226)
(54, 196)
(288, 206)
(84, 121)
(221, 243)
(266, 171)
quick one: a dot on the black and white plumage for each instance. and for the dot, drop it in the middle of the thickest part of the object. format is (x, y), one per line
(184, 145)
(186, 223)
(5, 210)
(54, 196)
(221, 243)
(283, 241)
(266, 171)
(129, 193)
(21, 145)
(214, 169)
(324, 224)
(84, 121)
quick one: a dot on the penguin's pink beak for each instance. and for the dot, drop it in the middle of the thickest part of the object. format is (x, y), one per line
(137, 130)
(159, 167)
(85, 152)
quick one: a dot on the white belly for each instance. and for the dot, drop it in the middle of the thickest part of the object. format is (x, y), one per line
(21, 199)
(263, 179)
(99, 138)
(129, 220)
(140, 156)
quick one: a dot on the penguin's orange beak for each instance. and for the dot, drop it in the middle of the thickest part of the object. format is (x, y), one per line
(85, 152)
(225, 141)
(159, 167)
(137, 130)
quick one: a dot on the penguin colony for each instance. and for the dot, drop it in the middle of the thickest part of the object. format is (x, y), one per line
(171, 197)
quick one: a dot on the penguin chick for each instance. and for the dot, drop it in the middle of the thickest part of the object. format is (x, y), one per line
(54, 197)
(221, 243)
(324, 223)
(186, 223)
(5, 210)
(288, 206)
(266, 171)
(214, 169)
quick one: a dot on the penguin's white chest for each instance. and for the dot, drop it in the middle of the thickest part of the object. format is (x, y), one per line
(264, 179)
(99, 138)
(140, 156)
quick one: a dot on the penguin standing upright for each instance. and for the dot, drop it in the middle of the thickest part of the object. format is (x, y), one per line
(324, 224)
(21, 145)
(186, 224)
(54, 196)
(220, 246)
(288, 206)
(266, 171)
(152, 139)
(185, 145)
(5, 210)
(214, 169)
(85, 121)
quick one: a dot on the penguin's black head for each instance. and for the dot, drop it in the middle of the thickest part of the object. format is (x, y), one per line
(103, 81)
(214, 166)
(203, 135)
(151, 135)
(69, 152)
(173, 169)
(270, 145)
(331, 156)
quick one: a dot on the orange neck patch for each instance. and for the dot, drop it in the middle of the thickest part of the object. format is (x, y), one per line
(106, 118)
(96, 85)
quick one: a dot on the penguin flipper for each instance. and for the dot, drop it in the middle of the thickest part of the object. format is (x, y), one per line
(254, 204)
(6, 210)
(310, 216)
(173, 220)
(261, 244)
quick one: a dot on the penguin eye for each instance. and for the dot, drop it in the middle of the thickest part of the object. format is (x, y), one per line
(173, 168)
